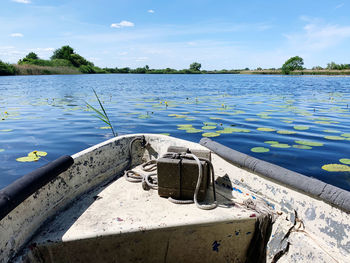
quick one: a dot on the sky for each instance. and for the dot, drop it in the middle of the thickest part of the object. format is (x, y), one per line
(225, 34)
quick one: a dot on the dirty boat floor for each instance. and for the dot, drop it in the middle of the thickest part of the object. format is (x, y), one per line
(121, 221)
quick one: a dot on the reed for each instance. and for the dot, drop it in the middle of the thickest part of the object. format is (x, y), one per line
(27, 69)
(102, 115)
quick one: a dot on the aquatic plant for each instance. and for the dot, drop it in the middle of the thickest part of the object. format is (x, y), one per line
(335, 167)
(309, 143)
(260, 150)
(210, 134)
(102, 115)
(32, 156)
(344, 160)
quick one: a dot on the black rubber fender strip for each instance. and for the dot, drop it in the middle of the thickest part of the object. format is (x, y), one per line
(313, 187)
(14, 194)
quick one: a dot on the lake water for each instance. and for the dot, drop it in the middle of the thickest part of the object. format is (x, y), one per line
(309, 117)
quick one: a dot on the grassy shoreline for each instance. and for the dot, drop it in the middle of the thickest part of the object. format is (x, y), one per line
(28, 69)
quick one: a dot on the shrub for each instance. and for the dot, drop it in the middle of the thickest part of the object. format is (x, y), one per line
(7, 69)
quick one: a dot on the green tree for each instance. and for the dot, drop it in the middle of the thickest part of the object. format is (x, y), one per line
(64, 52)
(195, 66)
(294, 63)
(32, 55)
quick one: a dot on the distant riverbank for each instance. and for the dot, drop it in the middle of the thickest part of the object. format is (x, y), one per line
(49, 70)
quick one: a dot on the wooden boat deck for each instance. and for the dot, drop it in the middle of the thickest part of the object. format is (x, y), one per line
(119, 211)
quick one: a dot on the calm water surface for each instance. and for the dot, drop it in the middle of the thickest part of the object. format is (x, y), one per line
(49, 113)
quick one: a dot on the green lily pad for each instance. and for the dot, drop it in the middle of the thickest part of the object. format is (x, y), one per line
(251, 119)
(215, 118)
(6, 130)
(345, 135)
(309, 143)
(184, 126)
(105, 128)
(180, 116)
(287, 121)
(280, 145)
(286, 132)
(209, 127)
(331, 131)
(172, 115)
(345, 160)
(260, 149)
(271, 142)
(335, 167)
(190, 119)
(335, 138)
(193, 130)
(27, 159)
(304, 147)
(265, 129)
(300, 127)
(210, 134)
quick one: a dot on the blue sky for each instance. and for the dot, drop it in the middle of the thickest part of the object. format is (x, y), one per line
(218, 34)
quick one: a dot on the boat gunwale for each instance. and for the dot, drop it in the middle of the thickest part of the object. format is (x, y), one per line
(312, 187)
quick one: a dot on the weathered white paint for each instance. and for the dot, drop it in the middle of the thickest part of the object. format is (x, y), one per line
(125, 212)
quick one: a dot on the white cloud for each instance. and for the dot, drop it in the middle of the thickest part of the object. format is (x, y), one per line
(122, 24)
(16, 35)
(22, 1)
(150, 11)
(317, 36)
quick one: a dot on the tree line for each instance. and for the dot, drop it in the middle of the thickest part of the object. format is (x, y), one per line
(66, 57)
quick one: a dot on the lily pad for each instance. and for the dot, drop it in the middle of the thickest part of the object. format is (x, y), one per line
(286, 132)
(193, 130)
(105, 128)
(335, 167)
(180, 116)
(6, 130)
(309, 143)
(280, 145)
(37, 153)
(300, 127)
(251, 119)
(172, 115)
(184, 126)
(345, 160)
(209, 127)
(345, 135)
(190, 119)
(304, 147)
(335, 138)
(332, 131)
(271, 142)
(215, 118)
(265, 129)
(27, 159)
(287, 121)
(210, 134)
(260, 149)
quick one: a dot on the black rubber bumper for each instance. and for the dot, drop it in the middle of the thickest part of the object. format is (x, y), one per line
(313, 187)
(14, 194)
